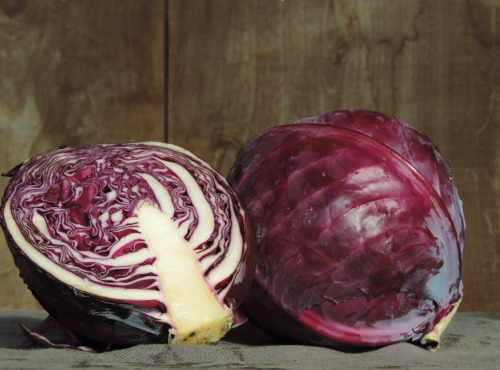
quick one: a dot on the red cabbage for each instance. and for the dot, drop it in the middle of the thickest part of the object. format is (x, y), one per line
(130, 243)
(359, 228)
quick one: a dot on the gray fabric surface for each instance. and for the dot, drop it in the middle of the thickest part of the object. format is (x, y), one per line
(472, 341)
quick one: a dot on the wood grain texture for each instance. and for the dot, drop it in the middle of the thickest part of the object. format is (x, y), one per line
(76, 73)
(238, 67)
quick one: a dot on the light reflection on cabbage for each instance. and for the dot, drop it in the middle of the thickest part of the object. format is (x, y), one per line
(359, 228)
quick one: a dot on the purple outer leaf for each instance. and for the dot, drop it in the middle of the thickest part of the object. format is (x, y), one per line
(50, 334)
(359, 229)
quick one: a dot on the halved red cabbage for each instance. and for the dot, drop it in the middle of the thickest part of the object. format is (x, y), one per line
(130, 243)
(359, 227)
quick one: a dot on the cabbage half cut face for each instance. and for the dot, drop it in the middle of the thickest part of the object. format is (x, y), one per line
(130, 243)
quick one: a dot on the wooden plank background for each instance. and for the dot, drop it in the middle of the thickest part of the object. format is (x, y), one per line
(239, 67)
(77, 72)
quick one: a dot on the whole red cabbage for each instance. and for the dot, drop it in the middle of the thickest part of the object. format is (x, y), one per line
(130, 243)
(359, 227)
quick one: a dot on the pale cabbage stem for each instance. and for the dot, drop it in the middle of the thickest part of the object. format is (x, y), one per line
(196, 314)
(435, 335)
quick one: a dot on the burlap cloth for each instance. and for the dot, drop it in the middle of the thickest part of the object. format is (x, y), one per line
(472, 341)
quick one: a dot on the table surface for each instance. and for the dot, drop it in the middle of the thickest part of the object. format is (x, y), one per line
(472, 340)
